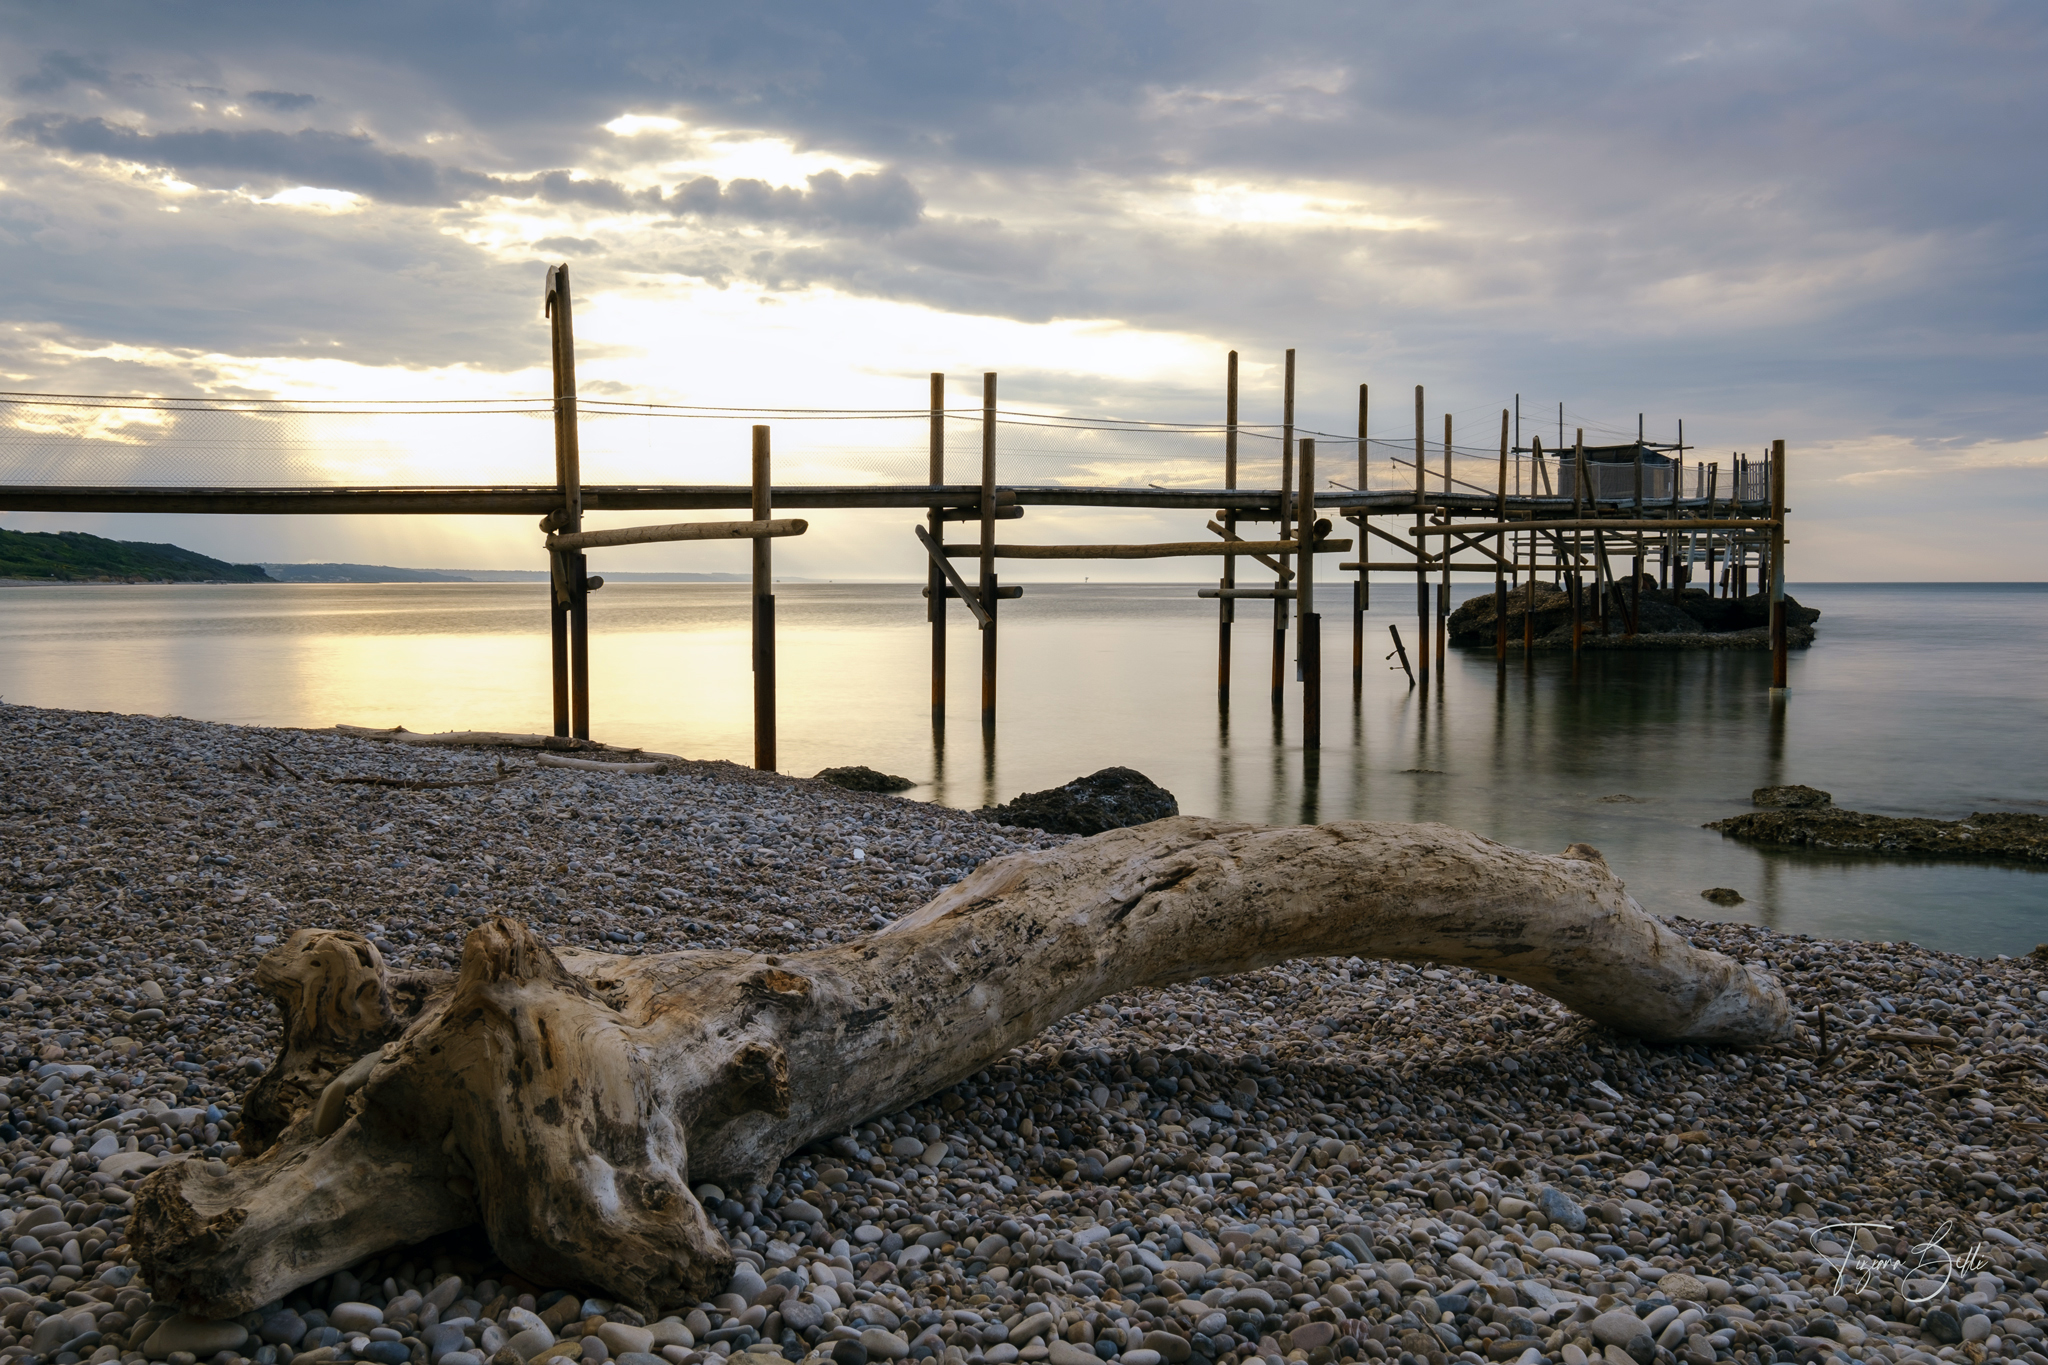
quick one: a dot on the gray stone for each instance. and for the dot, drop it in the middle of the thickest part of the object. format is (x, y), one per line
(1977, 1327)
(283, 1329)
(746, 1282)
(1139, 1355)
(1941, 1324)
(1558, 1207)
(197, 1335)
(801, 1315)
(1310, 1335)
(880, 1343)
(531, 1342)
(639, 1358)
(1170, 1345)
(355, 1317)
(1037, 1324)
(619, 1339)
(1063, 1352)
(385, 1353)
(1618, 1327)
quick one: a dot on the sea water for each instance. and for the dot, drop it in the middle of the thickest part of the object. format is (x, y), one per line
(1916, 700)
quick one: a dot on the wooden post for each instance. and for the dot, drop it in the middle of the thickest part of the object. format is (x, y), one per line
(1529, 592)
(1286, 513)
(1443, 592)
(1500, 542)
(1578, 543)
(1308, 636)
(1226, 608)
(1780, 651)
(988, 550)
(764, 612)
(935, 581)
(1421, 570)
(559, 598)
(573, 573)
(1361, 591)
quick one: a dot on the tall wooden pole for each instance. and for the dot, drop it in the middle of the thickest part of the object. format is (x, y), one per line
(1421, 570)
(1282, 578)
(1500, 543)
(1226, 607)
(558, 560)
(935, 580)
(1361, 591)
(1443, 591)
(988, 550)
(764, 612)
(572, 571)
(1309, 636)
(1578, 553)
(1780, 651)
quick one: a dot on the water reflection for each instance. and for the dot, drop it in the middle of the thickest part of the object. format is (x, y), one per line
(1629, 752)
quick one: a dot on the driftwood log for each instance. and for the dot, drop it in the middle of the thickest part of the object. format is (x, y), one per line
(568, 1100)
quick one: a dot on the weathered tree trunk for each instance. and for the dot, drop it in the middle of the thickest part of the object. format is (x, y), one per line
(567, 1100)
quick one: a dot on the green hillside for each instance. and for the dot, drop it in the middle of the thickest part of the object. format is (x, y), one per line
(75, 557)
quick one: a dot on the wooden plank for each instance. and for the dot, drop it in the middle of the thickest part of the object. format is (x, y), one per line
(971, 596)
(1178, 549)
(768, 529)
(1597, 524)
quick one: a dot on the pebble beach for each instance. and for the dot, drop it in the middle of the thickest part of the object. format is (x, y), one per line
(1331, 1160)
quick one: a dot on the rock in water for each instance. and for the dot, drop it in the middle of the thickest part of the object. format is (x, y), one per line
(1790, 796)
(1722, 895)
(864, 779)
(1110, 799)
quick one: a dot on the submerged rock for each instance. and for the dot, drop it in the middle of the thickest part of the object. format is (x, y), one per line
(1999, 835)
(1722, 895)
(860, 778)
(1790, 796)
(1110, 799)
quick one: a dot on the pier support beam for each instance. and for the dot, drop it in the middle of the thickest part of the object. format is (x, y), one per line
(935, 582)
(988, 551)
(764, 613)
(1780, 652)
(1226, 606)
(569, 571)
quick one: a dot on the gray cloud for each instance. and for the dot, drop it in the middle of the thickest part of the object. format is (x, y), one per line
(1756, 209)
(282, 101)
(59, 69)
(342, 161)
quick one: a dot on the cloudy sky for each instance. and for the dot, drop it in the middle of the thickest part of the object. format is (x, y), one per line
(1815, 221)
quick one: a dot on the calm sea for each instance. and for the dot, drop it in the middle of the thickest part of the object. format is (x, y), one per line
(1918, 700)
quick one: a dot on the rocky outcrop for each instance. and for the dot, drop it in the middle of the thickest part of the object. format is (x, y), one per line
(2004, 836)
(860, 778)
(1687, 620)
(1110, 799)
(1792, 796)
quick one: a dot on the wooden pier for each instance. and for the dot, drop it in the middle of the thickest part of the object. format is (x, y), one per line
(1561, 515)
